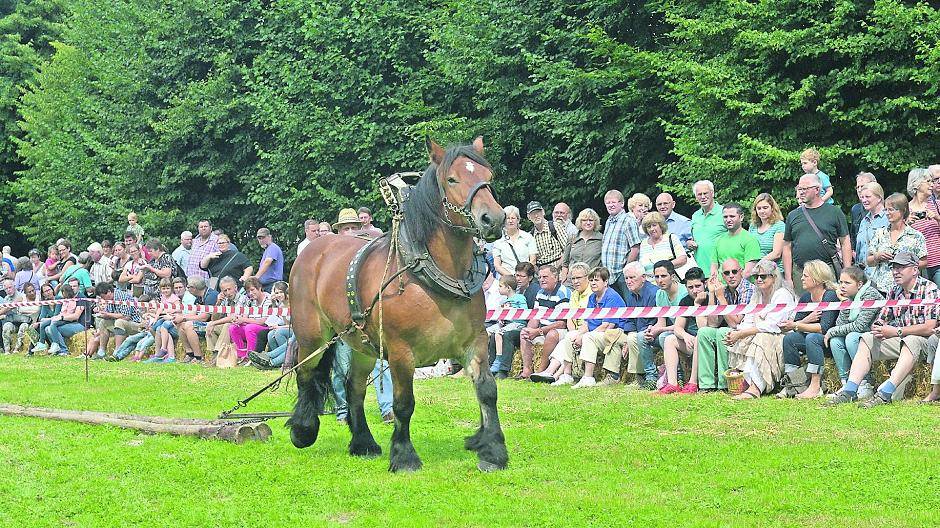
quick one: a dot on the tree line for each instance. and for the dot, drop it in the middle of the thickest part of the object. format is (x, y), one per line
(268, 112)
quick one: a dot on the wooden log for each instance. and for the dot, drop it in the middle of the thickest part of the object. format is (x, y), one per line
(230, 432)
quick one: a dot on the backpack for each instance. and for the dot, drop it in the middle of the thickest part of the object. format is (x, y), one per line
(178, 271)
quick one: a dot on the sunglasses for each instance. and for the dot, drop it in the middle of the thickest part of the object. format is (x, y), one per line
(728, 273)
(762, 276)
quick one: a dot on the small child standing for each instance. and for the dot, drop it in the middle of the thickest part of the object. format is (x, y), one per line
(507, 289)
(134, 227)
(809, 161)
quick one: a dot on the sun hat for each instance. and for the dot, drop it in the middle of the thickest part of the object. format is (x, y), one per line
(347, 216)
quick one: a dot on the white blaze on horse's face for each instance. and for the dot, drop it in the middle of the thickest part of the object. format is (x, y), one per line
(470, 167)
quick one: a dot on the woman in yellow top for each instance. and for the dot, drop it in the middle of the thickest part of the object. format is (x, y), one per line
(563, 357)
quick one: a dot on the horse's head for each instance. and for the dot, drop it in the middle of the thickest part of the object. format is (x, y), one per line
(464, 175)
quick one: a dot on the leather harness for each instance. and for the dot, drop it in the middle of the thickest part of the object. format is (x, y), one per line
(415, 258)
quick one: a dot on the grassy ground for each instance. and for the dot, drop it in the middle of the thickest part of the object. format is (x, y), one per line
(604, 457)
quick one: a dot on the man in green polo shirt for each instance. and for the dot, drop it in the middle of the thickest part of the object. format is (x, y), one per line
(707, 225)
(736, 243)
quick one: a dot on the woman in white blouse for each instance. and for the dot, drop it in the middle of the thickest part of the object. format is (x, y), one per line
(515, 246)
(659, 244)
(755, 347)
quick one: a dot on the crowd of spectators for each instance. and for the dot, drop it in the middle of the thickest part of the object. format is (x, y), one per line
(643, 254)
(647, 254)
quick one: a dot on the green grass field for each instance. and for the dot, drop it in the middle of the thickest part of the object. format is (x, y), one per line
(603, 457)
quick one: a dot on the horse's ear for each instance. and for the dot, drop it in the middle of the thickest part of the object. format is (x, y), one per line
(435, 151)
(478, 145)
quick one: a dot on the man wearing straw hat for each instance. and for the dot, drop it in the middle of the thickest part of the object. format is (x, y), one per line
(348, 223)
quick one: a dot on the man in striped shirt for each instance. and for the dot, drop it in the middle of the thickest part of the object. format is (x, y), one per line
(120, 319)
(552, 294)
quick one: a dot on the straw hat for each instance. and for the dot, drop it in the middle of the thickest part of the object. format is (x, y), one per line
(347, 216)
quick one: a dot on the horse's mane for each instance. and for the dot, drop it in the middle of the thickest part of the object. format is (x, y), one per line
(423, 208)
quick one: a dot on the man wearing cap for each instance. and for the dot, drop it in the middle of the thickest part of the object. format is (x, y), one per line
(899, 333)
(181, 253)
(100, 271)
(347, 222)
(550, 238)
(271, 268)
(365, 217)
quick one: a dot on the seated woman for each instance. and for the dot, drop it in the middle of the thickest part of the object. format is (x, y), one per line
(137, 343)
(163, 330)
(19, 320)
(244, 329)
(66, 324)
(684, 336)
(46, 313)
(756, 345)
(843, 338)
(279, 333)
(805, 335)
(592, 343)
(560, 370)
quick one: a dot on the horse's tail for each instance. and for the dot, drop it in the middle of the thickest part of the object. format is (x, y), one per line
(313, 387)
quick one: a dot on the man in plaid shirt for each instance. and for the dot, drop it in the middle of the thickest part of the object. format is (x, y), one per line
(899, 333)
(118, 319)
(621, 240)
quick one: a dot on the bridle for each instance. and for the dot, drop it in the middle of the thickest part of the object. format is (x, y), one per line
(464, 211)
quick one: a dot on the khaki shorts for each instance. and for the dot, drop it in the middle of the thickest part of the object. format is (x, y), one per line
(882, 349)
(125, 327)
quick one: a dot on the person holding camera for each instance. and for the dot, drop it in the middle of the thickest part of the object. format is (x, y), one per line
(888, 241)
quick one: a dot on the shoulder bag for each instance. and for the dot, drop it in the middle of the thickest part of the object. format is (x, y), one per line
(689, 263)
(834, 255)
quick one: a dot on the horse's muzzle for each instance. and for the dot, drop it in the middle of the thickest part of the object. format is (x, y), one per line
(491, 225)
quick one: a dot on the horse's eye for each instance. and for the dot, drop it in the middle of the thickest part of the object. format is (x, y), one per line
(451, 180)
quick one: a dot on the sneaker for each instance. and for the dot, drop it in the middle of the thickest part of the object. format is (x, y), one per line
(259, 359)
(40, 347)
(54, 349)
(154, 359)
(669, 389)
(865, 390)
(111, 358)
(608, 381)
(564, 379)
(501, 375)
(585, 382)
(541, 377)
(879, 398)
(389, 417)
(649, 385)
(689, 388)
(169, 359)
(840, 398)
(188, 359)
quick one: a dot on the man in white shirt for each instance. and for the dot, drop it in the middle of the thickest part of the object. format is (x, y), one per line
(311, 231)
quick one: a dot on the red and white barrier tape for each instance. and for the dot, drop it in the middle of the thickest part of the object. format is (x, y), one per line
(546, 313)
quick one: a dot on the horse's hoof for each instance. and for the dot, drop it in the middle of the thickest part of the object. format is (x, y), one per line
(302, 436)
(486, 467)
(365, 450)
(405, 466)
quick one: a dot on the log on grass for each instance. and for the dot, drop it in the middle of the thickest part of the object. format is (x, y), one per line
(230, 432)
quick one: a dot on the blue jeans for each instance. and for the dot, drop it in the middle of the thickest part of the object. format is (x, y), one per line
(168, 325)
(645, 348)
(59, 331)
(382, 383)
(843, 352)
(278, 341)
(795, 343)
(43, 325)
(138, 341)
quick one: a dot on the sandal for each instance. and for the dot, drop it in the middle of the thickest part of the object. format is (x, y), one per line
(746, 395)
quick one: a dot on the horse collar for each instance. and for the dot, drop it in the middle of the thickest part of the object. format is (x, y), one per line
(418, 259)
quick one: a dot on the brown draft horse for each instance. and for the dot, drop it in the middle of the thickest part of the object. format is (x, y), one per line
(421, 325)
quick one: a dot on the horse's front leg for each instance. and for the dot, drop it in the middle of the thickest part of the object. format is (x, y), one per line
(488, 442)
(362, 442)
(403, 456)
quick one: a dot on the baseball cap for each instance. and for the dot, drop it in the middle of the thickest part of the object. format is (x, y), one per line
(904, 258)
(533, 206)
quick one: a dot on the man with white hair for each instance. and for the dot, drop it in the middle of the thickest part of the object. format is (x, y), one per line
(621, 242)
(640, 293)
(184, 250)
(101, 270)
(708, 224)
(562, 213)
(815, 231)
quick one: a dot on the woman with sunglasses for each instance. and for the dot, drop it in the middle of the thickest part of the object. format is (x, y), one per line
(755, 347)
(805, 335)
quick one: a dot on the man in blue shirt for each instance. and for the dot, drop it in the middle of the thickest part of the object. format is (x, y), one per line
(677, 224)
(640, 293)
(593, 343)
(271, 268)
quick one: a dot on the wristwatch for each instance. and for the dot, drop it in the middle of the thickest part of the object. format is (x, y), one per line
(899, 331)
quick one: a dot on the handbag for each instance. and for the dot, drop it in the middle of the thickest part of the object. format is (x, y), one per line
(227, 357)
(689, 263)
(834, 256)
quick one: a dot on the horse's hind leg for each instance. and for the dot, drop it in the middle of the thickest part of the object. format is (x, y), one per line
(362, 442)
(313, 380)
(488, 442)
(403, 456)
